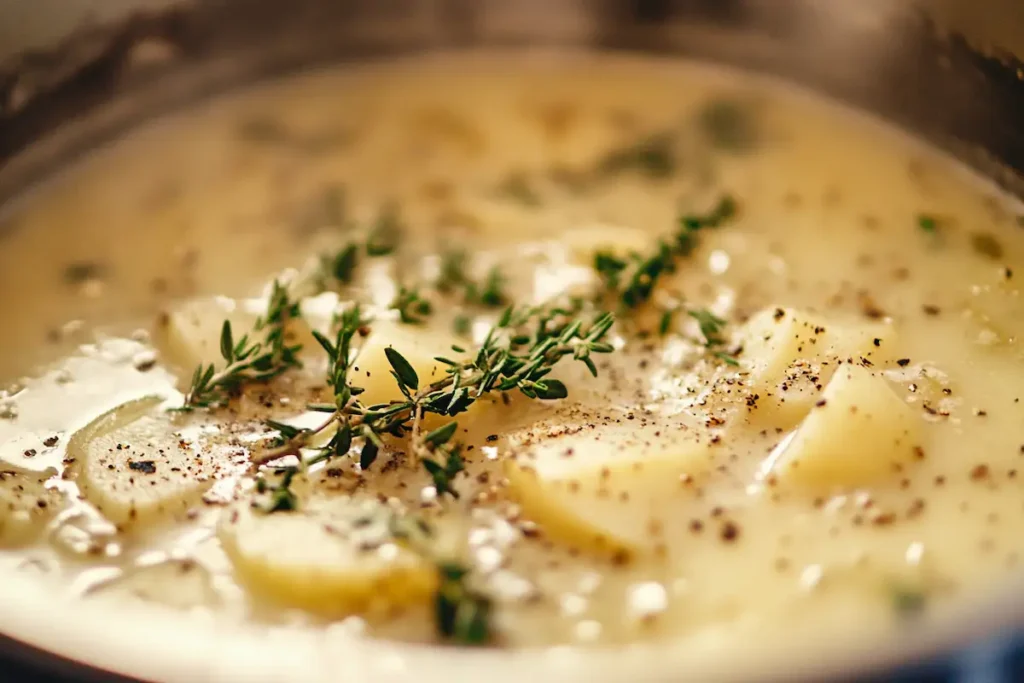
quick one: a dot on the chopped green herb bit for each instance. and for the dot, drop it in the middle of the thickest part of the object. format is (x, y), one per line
(710, 326)
(83, 271)
(908, 602)
(729, 125)
(245, 361)
(653, 156)
(385, 233)
(279, 497)
(632, 279)
(929, 224)
(517, 188)
(987, 245)
(412, 308)
(461, 614)
(462, 325)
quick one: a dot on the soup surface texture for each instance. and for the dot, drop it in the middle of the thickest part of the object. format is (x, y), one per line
(239, 337)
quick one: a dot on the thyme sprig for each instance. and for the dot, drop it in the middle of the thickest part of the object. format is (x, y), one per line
(453, 279)
(631, 280)
(711, 328)
(412, 308)
(462, 614)
(248, 360)
(441, 460)
(518, 353)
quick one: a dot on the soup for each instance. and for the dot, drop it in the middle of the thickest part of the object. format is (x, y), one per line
(516, 352)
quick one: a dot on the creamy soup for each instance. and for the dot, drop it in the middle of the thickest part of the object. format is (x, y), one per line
(516, 353)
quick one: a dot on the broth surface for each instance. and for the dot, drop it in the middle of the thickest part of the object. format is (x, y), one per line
(837, 454)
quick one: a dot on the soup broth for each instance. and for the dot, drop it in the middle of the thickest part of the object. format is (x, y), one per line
(805, 417)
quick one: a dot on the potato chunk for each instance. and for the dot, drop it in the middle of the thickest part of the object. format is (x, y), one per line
(134, 464)
(333, 557)
(856, 435)
(572, 478)
(417, 344)
(25, 507)
(791, 354)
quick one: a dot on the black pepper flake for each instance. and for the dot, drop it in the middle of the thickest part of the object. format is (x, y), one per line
(877, 341)
(903, 362)
(82, 271)
(144, 466)
(979, 472)
(730, 532)
(492, 438)
(51, 441)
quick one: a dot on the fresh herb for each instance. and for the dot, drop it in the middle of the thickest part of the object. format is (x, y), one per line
(632, 279)
(653, 156)
(454, 278)
(490, 292)
(452, 274)
(326, 210)
(82, 271)
(278, 497)
(987, 245)
(665, 322)
(341, 265)
(729, 125)
(928, 223)
(517, 188)
(907, 601)
(462, 325)
(385, 233)
(412, 308)
(711, 328)
(518, 354)
(248, 361)
(442, 461)
(462, 615)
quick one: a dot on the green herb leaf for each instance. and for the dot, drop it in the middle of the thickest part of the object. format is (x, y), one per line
(441, 435)
(384, 236)
(404, 371)
(227, 344)
(460, 614)
(368, 455)
(985, 244)
(928, 223)
(551, 389)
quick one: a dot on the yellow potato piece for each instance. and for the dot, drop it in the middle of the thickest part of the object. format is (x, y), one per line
(791, 354)
(597, 485)
(419, 345)
(134, 464)
(335, 556)
(858, 435)
(25, 506)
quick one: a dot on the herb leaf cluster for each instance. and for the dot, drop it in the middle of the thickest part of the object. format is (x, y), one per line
(247, 360)
(519, 353)
(631, 280)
